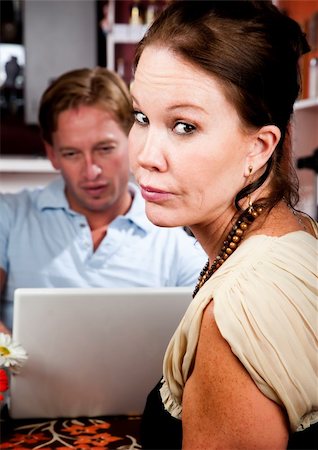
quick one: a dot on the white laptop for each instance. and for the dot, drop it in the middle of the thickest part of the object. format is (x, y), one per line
(92, 352)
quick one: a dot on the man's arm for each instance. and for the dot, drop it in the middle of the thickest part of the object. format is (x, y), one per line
(3, 278)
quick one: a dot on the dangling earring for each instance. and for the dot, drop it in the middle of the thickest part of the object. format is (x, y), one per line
(250, 204)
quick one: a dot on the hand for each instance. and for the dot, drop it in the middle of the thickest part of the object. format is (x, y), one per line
(4, 329)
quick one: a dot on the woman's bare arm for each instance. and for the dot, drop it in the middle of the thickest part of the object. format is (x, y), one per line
(222, 406)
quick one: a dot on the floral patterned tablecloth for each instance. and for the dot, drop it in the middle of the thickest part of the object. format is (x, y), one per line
(121, 433)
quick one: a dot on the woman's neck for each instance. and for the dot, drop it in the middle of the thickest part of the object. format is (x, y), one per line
(211, 235)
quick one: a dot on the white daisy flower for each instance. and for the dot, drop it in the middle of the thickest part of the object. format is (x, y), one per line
(12, 355)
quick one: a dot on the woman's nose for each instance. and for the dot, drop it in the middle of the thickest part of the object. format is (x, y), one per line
(151, 154)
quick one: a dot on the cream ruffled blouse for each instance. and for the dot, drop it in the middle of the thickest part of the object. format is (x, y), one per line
(265, 306)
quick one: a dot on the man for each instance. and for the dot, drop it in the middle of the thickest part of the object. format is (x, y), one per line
(88, 228)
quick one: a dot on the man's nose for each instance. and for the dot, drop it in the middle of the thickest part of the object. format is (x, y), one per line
(92, 170)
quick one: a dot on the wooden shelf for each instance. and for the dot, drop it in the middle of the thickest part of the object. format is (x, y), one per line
(25, 164)
(126, 33)
(308, 103)
(25, 172)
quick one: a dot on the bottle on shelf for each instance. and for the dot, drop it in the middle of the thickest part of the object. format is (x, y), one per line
(107, 20)
(150, 12)
(121, 67)
(135, 13)
(313, 78)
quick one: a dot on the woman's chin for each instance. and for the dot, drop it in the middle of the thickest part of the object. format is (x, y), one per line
(162, 220)
(159, 222)
(167, 215)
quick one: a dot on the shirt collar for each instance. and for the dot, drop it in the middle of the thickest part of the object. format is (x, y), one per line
(53, 197)
(136, 212)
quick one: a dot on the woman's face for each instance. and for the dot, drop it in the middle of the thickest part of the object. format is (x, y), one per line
(188, 150)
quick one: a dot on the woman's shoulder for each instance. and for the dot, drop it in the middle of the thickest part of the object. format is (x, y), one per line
(262, 258)
(271, 273)
(265, 306)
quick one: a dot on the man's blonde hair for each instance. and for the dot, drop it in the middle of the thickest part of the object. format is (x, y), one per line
(90, 87)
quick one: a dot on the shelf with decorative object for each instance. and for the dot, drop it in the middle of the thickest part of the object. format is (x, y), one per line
(305, 120)
(125, 23)
(305, 142)
(122, 34)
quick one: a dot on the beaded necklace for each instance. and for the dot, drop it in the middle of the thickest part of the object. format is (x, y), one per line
(229, 245)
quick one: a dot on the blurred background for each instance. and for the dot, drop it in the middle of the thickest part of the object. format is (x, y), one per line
(41, 39)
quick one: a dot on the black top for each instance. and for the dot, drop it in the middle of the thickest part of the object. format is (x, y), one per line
(159, 430)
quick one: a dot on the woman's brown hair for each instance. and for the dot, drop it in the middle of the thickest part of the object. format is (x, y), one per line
(253, 49)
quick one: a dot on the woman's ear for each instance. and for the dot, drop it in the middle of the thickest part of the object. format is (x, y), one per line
(262, 148)
(51, 154)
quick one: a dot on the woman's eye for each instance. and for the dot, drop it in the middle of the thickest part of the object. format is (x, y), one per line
(141, 118)
(183, 128)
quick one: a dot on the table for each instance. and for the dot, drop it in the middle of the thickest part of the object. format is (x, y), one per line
(119, 432)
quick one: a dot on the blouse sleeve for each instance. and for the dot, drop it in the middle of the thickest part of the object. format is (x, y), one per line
(267, 312)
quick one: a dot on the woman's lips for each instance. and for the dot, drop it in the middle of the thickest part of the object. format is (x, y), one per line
(152, 194)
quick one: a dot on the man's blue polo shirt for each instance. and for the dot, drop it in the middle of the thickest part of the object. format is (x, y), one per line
(43, 243)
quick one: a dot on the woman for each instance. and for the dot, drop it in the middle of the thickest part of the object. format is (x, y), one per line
(214, 89)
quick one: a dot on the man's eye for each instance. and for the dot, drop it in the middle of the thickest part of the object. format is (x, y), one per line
(105, 149)
(69, 154)
(184, 128)
(140, 118)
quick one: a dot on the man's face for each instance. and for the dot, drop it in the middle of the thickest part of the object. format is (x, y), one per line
(90, 150)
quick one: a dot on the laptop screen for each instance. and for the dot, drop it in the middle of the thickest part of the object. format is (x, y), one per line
(91, 351)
